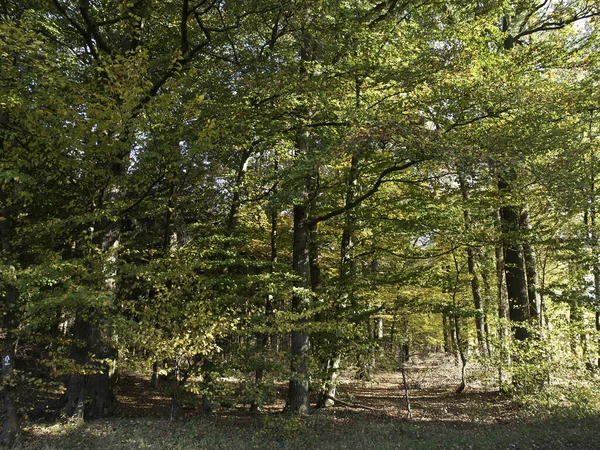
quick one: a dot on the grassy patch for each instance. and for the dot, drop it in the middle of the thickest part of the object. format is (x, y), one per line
(322, 430)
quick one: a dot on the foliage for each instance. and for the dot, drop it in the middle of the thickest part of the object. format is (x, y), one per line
(190, 183)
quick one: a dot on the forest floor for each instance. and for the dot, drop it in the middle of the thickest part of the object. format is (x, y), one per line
(374, 416)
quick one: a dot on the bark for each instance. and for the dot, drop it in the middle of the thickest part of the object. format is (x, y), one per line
(516, 287)
(234, 210)
(91, 395)
(500, 286)
(462, 352)
(502, 312)
(406, 393)
(595, 267)
(462, 342)
(405, 355)
(266, 338)
(531, 272)
(475, 289)
(516, 282)
(298, 388)
(348, 269)
(593, 238)
(486, 297)
(269, 306)
(298, 401)
(154, 379)
(516, 279)
(348, 266)
(576, 322)
(453, 339)
(380, 328)
(313, 257)
(327, 398)
(598, 333)
(10, 427)
(446, 334)
(597, 296)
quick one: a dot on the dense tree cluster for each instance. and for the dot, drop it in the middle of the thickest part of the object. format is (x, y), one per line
(281, 189)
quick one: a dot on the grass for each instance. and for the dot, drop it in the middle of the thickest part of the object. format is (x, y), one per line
(321, 430)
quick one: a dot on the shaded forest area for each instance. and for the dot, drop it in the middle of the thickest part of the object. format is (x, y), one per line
(244, 203)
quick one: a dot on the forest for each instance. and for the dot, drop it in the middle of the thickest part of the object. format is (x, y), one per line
(245, 205)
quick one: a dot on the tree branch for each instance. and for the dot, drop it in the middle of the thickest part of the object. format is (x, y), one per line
(85, 34)
(184, 35)
(91, 29)
(490, 115)
(358, 200)
(549, 26)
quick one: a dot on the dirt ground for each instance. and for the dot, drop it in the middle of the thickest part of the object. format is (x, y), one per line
(431, 381)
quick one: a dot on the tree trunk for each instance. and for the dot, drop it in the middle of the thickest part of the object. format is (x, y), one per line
(516, 282)
(461, 348)
(313, 258)
(266, 338)
(154, 379)
(10, 427)
(91, 395)
(475, 289)
(446, 334)
(234, 209)
(597, 298)
(298, 388)
(531, 272)
(477, 299)
(516, 287)
(453, 339)
(502, 313)
(576, 326)
(298, 401)
(330, 387)
(462, 342)
(348, 271)
(593, 239)
(486, 307)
